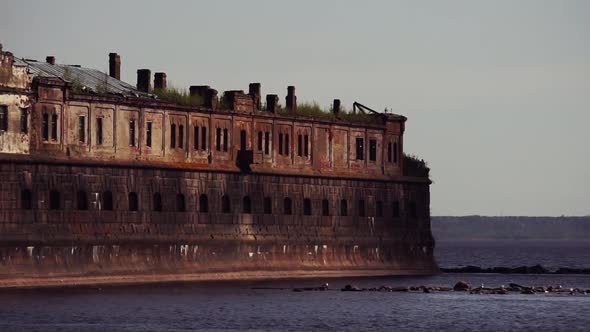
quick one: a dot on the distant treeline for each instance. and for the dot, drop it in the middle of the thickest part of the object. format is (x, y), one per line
(480, 227)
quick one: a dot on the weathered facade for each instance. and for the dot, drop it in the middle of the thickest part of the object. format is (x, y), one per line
(101, 178)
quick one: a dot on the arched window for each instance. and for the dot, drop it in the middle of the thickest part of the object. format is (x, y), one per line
(287, 206)
(133, 202)
(343, 207)
(225, 204)
(180, 203)
(307, 207)
(26, 199)
(379, 209)
(203, 203)
(82, 200)
(267, 205)
(180, 136)
(157, 202)
(107, 201)
(325, 207)
(246, 205)
(361, 207)
(172, 136)
(243, 142)
(54, 200)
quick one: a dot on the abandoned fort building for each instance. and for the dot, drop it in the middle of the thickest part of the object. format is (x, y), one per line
(92, 162)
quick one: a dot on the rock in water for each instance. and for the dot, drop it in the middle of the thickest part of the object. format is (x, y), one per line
(461, 286)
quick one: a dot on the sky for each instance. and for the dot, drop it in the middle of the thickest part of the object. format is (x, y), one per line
(497, 93)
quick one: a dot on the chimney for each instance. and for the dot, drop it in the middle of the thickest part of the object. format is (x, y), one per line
(272, 102)
(211, 99)
(254, 91)
(336, 106)
(50, 60)
(115, 66)
(143, 80)
(160, 81)
(199, 91)
(291, 99)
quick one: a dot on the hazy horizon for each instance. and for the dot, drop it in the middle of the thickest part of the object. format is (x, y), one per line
(497, 93)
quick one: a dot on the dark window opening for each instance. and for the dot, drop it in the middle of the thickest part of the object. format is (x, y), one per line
(82, 199)
(413, 210)
(54, 200)
(24, 120)
(180, 203)
(225, 139)
(325, 207)
(306, 145)
(26, 199)
(218, 139)
(172, 136)
(148, 134)
(246, 205)
(225, 204)
(343, 208)
(54, 127)
(287, 206)
(45, 125)
(395, 152)
(157, 202)
(243, 143)
(204, 204)
(259, 141)
(180, 136)
(389, 152)
(98, 131)
(133, 202)
(280, 143)
(299, 145)
(3, 118)
(266, 142)
(395, 211)
(286, 144)
(196, 137)
(267, 205)
(372, 150)
(361, 208)
(360, 148)
(132, 133)
(107, 201)
(82, 129)
(204, 138)
(307, 207)
(379, 209)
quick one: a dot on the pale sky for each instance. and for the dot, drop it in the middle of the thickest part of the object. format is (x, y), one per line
(497, 93)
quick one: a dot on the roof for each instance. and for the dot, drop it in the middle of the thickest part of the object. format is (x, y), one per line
(86, 79)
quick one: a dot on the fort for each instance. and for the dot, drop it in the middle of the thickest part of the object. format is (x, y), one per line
(105, 182)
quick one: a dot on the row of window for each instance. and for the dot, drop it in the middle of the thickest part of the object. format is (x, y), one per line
(106, 203)
(24, 119)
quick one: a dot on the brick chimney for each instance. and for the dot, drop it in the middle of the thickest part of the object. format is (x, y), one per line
(254, 91)
(50, 59)
(115, 66)
(199, 90)
(143, 80)
(336, 106)
(272, 103)
(211, 99)
(291, 99)
(160, 81)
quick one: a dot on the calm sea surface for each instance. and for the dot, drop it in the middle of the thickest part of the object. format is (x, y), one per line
(237, 306)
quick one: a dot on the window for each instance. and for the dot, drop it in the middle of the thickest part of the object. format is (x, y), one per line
(82, 200)
(389, 152)
(372, 150)
(132, 132)
(306, 145)
(45, 126)
(360, 148)
(148, 134)
(246, 205)
(379, 209)
(413, 210)
(203, 203)
(204, 138)
(3, 118)
(196, 137)
(395, 209)
(280, 143)
(180, 203)
(267, 205)
(266, 142)
(286, 144)
(395, 152)
(54, 127)
(107, 201)
(225, 204)
(287, 206)
(325, 207)
(225, 138)
(98, 131)
(24, 120)
(361, 208)
(26, 199)
(172, 136)
(343, 208)
(307, 207)
(82, 129)
(54, 200)
(218, 139)
(243, 142)
(157, 202)
(259, 141)
(133, 202)
(180, 136)
(300, 145)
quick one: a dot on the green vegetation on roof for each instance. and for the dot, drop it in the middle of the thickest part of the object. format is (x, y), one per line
(414, 166)
(178, 96)
(315, 111)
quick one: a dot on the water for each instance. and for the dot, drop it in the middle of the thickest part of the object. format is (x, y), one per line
(236, 306)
